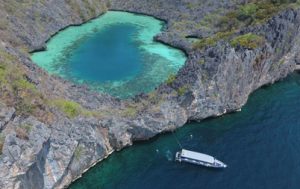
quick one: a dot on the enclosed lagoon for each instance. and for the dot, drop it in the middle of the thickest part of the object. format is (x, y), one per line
(260, 145)
(114, 53)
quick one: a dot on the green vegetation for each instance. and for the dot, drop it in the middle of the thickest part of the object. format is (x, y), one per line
(249, 41)
(201, 61)
(211, 41)
(78, 152)
(69, 108)
(23, 84)
(2, 138)
(171, 79)
(72, 109)
(252, 12)
(27, 127)
(210, 21)
(182, 90)
(15, 89)
(247, 11)
(130, 111)
(3, 24)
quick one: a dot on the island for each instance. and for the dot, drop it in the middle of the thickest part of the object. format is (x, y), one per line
(52, 129)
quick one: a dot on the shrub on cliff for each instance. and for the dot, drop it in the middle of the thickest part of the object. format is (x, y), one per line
(171, 79)
(79, 152)
(182, 90)
(69, 108)
(247, 11)
(253, 12)
(15, 89)
(2, 138)
(260, 11)
(130, 111)
(249, 41)
(210, 41)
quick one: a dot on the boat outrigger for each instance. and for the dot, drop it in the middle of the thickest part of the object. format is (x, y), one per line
(199, 159)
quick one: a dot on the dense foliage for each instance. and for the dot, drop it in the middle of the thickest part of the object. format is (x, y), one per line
(249, 41)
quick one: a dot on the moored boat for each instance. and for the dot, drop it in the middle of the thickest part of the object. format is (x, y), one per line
(199, 159)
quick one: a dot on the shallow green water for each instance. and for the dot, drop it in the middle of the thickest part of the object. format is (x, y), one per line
(114, 53)
(260, 145)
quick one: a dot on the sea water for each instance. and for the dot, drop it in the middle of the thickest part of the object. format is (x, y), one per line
(260, 145)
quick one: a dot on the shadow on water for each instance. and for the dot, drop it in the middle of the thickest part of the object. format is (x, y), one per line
(260, 144)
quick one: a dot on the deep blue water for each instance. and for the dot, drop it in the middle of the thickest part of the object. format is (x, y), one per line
(260, 144)
(110, 54)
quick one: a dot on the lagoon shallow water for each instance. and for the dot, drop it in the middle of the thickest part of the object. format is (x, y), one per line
(260, 144)
(114, 53)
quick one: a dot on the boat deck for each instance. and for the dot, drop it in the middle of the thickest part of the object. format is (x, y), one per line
(197, 156)
(199, 159)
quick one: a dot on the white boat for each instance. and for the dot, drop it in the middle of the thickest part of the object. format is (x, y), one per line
(199, 159)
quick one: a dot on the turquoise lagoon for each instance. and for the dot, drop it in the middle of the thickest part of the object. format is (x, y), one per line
(114, 53)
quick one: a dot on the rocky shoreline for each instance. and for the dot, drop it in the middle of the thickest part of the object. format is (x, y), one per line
(51, 153)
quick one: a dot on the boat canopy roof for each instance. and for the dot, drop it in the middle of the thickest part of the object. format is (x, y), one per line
(197, 156)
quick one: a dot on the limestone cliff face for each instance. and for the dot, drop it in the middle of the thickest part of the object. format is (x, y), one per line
(229, 75)
(47, 155)
(214, 80)
(33, 22)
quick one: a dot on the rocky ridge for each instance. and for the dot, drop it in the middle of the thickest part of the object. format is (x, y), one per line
(50, 153)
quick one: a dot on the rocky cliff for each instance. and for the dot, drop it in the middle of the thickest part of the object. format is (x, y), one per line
(53, 130)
